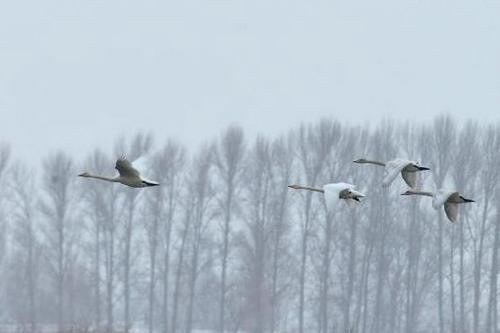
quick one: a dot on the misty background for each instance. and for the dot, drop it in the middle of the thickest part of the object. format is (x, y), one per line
(231, 101)
(223, 245)
(75, 75)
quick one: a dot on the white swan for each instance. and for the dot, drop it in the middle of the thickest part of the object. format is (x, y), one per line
(408, 170)
(333, 193)
(128, 175)
(450, 200)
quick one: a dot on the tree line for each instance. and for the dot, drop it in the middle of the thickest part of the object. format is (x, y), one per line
(223, 244)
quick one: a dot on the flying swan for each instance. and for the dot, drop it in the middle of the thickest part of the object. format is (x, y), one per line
(128, 175)
(408, 170)
(450, 200)
(333, 193)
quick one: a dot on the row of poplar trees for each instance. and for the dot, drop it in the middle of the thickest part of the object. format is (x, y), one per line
(223, 245)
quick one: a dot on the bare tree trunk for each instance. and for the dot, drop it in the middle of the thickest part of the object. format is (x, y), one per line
(303, 262)
(192, 281)
(410, 270)
(364, 287)
(351, 271)
(452, 281)
(166, 259)
(110, 267)
(462, 280)
(166, 275)
(152, 272)
(491, 323)
(180, 263)
(382, 265)
(225, 252)
(325, 276)
(97, 274)
(478, 264)
(60, 274)
(130, 202)
(440, 272)
(31, 278)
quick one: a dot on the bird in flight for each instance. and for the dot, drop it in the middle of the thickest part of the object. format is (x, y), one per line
(127, 175)
(408, 170)
(333, 193)
(449, 199)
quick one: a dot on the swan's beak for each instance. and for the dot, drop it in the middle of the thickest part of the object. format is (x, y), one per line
(357, 194)
(421, 168)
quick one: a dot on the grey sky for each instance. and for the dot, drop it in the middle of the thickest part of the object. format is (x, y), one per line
(75, 74)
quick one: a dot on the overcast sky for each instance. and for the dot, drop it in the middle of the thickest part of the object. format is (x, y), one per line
(76, 74)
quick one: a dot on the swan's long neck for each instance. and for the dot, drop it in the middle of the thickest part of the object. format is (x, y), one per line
(309, 188)
(375, 162)
(424, 193)
(108, 179)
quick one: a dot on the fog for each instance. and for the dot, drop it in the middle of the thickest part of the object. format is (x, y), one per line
(227, 103)
(224, 245)
(77, 75)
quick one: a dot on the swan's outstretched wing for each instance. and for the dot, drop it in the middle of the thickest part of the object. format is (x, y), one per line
(332, 194)
(125, 168)
(410, 178)
(143, 165)
(451, 210)
(392, 169)
(440, 197)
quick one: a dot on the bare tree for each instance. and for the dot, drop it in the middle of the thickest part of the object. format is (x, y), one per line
(281, 169)
(175, 155)
(491, 141)
(110, 220)
(56, 205)
(160, 208)
(352, 145)
(314, 145)
(96, 194)
(4, 161)
(200, 188)
(181, 253)
(228, 162)
(255, 247)
(464, 175)
(440, 138)
(383, 148)
(139, 146)
(27, 254)
(102, 210)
